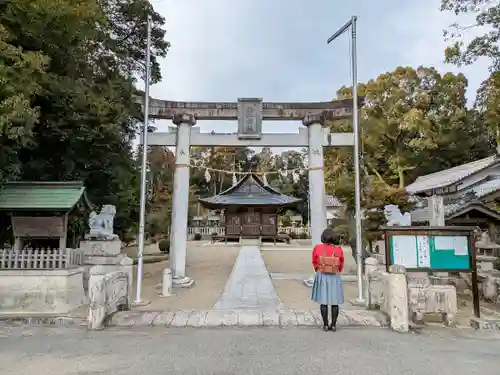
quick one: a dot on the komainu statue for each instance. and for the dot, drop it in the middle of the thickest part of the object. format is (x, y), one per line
(101, 225)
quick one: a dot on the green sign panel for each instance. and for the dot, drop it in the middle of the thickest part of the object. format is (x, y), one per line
(436, 252)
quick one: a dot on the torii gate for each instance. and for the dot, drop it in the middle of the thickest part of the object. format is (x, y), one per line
(250, 112)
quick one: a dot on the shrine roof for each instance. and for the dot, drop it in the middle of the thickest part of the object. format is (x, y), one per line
(250, 191)
(450, 176)
(42, 196)
(453, 210)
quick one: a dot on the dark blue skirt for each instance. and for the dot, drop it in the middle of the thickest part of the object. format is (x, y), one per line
(328, 289)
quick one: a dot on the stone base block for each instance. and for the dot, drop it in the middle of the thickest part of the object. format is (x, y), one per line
(185, 282)
(41, 291)
(101, 248)
(486, 323)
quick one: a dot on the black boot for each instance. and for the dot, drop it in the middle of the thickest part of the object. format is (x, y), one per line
(324, 315)
(335, 315)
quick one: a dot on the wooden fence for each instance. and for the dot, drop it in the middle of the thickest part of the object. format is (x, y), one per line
(40, 259)
(207, 231)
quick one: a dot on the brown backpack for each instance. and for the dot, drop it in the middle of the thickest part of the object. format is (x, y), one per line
(329, 264)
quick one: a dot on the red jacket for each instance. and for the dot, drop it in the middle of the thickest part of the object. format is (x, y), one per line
(328, 250)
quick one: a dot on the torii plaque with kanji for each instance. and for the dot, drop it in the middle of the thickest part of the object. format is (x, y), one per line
(249, 118)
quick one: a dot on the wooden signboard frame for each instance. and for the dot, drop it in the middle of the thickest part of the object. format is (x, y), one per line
(438, 231)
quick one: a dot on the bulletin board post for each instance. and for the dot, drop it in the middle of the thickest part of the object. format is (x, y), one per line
(434, 249)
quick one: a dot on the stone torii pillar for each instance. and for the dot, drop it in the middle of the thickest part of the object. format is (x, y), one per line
(180, 201)
(318, 222)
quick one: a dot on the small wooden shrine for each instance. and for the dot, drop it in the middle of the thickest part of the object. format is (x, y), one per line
(39, 211)
(251, 208)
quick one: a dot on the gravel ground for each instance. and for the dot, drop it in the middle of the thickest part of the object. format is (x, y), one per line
(63, 351)
(209, 267)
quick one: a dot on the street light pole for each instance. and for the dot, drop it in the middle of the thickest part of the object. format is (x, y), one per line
(357, 174)
(142, 212)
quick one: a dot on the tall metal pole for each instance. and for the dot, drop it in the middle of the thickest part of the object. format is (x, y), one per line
(142, 212)
(357, 175)
(357, 172)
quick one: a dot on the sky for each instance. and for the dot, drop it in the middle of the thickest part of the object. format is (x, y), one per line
(276, 50)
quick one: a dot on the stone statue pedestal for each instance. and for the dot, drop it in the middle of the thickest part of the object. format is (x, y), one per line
(101, 248)
(101, 253)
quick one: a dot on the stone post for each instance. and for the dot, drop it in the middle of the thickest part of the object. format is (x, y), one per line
(128, 266)
(436, 211)
(180, 201)
(316, 180)
(167, 283)
(436, 219)
(397, 303)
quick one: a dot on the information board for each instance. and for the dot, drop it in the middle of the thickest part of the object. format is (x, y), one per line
(436, 252)
(434, 249)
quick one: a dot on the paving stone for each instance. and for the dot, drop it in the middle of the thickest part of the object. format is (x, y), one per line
(249, 318)
(164, 318)
(270, 318)
(317, 316)
(197, 318)
(249, 286)
(288, 318)
(124, 318)
(342, 319)
(371, 318)
(229, 318)
(180, 319)
(214, 318)
(146, 318)
(355, 319)
(305, 318)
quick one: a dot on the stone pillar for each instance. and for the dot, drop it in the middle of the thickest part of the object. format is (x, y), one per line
(436, 219)
(180, 201)
(436, 211)
(316, 177)
(316, 181)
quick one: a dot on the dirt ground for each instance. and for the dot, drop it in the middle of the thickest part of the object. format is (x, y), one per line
(299, 261)
(209, 266)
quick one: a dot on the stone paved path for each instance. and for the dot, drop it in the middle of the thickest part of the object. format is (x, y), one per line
(249, 286)
(244, 318)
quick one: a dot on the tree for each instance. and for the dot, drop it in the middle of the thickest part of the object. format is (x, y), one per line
(413, 122)
(486, 25)
(161, 166)
(487, 106)
(20, 72)
(84, 101)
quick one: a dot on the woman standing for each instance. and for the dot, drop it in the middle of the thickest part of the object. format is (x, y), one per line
(328, 262)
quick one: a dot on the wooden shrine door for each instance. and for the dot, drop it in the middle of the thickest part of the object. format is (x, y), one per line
(269, 227)
(233, 225)
(250, 224)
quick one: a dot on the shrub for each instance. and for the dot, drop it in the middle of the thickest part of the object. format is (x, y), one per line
(292, 235)
(164, 246)
(197, 237)
(304, 236)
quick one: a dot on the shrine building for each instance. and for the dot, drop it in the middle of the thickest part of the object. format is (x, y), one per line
(251, 208)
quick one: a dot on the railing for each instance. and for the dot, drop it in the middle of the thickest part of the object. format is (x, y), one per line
(207, 231)
(40, 259)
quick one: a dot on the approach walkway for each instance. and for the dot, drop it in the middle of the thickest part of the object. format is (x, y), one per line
(249, 286)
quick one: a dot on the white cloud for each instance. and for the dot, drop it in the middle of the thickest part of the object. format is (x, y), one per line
(225, 49)
(420, 26)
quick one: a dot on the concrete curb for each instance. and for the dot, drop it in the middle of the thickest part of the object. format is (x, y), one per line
(243, 318)
(58, 321)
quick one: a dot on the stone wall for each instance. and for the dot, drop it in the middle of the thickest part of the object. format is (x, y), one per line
(109, 292)
(41, 291)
